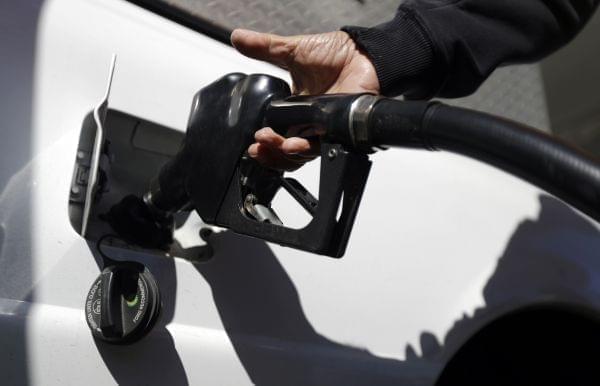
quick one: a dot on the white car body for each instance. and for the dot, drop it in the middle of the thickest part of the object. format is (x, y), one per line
(442, 244)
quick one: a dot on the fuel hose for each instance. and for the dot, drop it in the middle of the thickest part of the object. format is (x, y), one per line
(543, 160)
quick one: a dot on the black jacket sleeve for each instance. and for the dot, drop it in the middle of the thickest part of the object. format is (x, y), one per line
(447, 48)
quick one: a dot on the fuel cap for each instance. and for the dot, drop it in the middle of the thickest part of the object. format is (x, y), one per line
(123, 304)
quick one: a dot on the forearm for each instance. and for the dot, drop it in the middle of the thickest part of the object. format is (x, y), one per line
(447, 48)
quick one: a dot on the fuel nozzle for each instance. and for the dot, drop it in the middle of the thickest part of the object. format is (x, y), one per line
(212, 174)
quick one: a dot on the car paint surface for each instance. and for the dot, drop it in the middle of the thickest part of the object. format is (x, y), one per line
(441, 246)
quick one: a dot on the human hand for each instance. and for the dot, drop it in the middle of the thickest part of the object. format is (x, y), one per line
(324, 63)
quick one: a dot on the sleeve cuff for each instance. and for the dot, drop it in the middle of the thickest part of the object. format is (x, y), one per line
(402, 54)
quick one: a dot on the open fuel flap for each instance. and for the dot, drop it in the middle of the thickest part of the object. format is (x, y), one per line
(118, 155)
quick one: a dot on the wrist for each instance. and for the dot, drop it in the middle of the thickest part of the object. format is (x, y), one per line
(401, 53)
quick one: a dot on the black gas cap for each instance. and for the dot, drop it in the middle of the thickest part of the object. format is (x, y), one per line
(123, 304)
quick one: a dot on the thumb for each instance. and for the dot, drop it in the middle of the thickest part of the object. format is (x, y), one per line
(271, 48)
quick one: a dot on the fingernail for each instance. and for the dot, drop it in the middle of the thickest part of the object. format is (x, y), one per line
(253, 150)
(236, 35)
(239, 33)
(262, 133)
(295, 145)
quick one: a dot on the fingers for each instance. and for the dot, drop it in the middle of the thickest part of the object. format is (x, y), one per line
(294, 146)
(277, 152)
(274, 159)
(300, 146)
(269, 137)
(271, 48)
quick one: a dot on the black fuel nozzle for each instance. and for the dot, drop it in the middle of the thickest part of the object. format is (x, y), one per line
(223, 119)
(213, 175)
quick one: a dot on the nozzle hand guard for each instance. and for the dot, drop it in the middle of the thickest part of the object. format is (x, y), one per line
(213, 174)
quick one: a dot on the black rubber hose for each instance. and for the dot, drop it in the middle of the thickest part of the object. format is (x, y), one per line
(551, 164)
